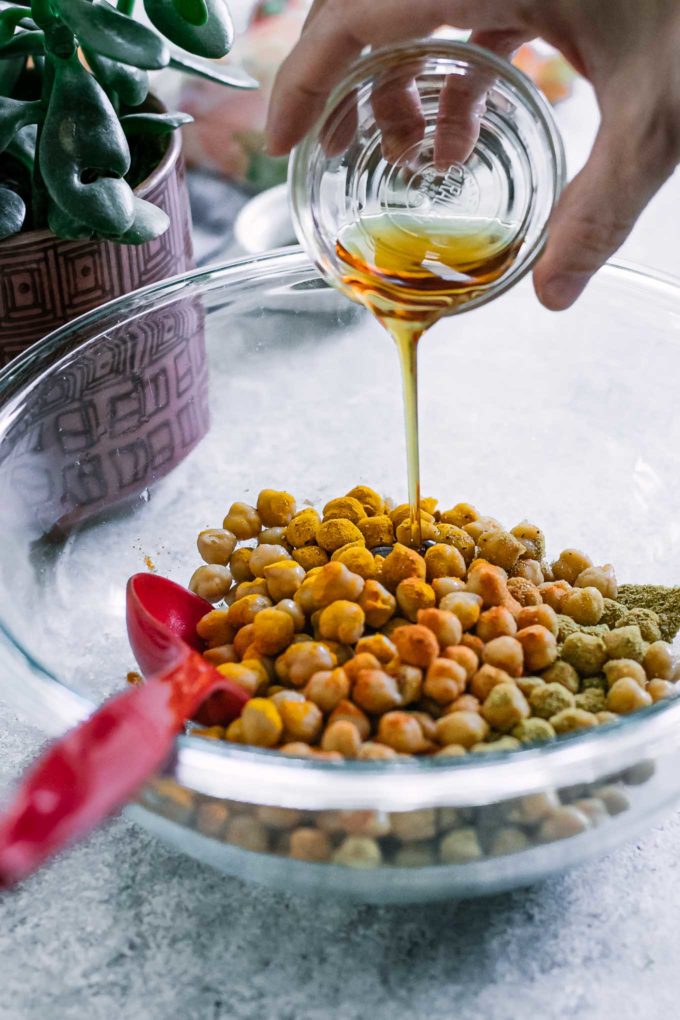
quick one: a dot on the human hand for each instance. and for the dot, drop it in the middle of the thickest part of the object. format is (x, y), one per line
(627, 50)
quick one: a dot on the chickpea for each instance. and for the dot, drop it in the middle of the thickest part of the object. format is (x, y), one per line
(414, 595)
(402, 513)
(272, 536)
(465, 703)
(541, 616)
(401, 564)
(530, 570)
(528, 684)
(618, 668)
(587, 653)
(563, 673)
(378, 604)
(294, 611)
(414, 826)
(296, 749)
(646, 619)
(505, 653)
(302, 720)
(570, 564)
(462, 728)
(626, 695)
(377, 530)
(444, 681)
(278, 817)
(276, 509)
(444, 586)
(327, 689)
(563, 823)
(220, 655)
(344, 508)
(465, 657)
(215, 545)
(333, 534)
(571, 719)
(550, 699)
(244, 675)
(358, 559)
(496, 622)
(283, 578)
(243, 521)
(342, 621)
(335, 582)
(371, 751)
(593, 809)
(658, 661)
(417, 645)
(244, 610)
(553, 593)
(211, 819)
(443, 560)
(310, 556)
(248, 834)
(243, 639)
(464, 605)
(474, 643)
(584, 605)
(460, 515)
(303, 527)
(307, 844)
(376, 691)
(214, 628)
(491, 584)
(358, 852)
(372, 503)
(444, 624)
(532, 538)
(361, 660)
(265, 555)
(342, 736)
(602, 578)
(485, 679)
(592, 700)
(283, 694)
(500, 548)
(402, 732)
(261, 723)
(524, 592)
(483, 524)
(239, 564)
(539, 646)
(258, 587)
(273, 631)
(505, 707)
(210, 582)
(625, 643)
(379, 645)
(348, 712)
(300, 661)
(460, 847)
(659, 690)
(533, 731)
(410, 683)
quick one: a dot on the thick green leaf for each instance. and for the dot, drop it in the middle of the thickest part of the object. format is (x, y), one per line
(22, 146)
(212, 39)
(212, 72)
(24, 44)
(63, 225)
(153, 123)
(9, 19)
(106, 31)
(10, 71)
(130, 83)
(12, 213)
(84, 153)
(193, 11)
(14, 115)
(149, 223)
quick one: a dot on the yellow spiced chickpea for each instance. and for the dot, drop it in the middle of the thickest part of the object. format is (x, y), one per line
(346, 508)
(243, 521)
(494, 623)
(371, 501)
(239, 564)
(444, 681)
(302, 720)
(261, 723)
(505, 653)
(413, 595)
(379, 605)
(327, 689)
(444, 624)
(283, 579)
(417, 645)
(273, 631)
(303, 528)
(342, 621)
(310, 556)
(376, 692)
(276, 509)
(462, 728)
(402, 732)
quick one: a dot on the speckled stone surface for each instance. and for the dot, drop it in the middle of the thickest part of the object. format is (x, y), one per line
(121, 928)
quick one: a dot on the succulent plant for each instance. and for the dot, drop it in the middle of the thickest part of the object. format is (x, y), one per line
(72, 75)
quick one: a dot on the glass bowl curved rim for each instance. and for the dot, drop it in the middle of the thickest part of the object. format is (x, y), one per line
(264, 777)
(432, 46)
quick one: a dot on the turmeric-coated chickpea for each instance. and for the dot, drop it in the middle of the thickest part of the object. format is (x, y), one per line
(211, 582)
(303, 528)
(658, 661)
(214, 628)
(300, 661)
(626, 695)
(378, 604)
(417, 645)
(261, 723)
(361, 660)
(462, 728)
(465, 605)
(401, 563)
(505, 707)
(539, 646)
(444, 681)
(334, 582)
(245, 676)
(273, 631)
(450, 535)
(310, 556)
(444, 624)
(215, 545)
(327, 689)
(443, 560)
(496, 622)
(485, 679)
(505, 653)
(244, 610)
(602, 578)
(584, 605)
(239, 564)
(460, 515)
(358, 559)
(403, 513)
(538, 616)
(342, 621)
(243, 521)
(465, 657)
(256, 587)
(302, 720)
(276, 509)
(377, 530)
(283, 579)
(219, 654)
(370, 500)
(349, 712)
(401, 732)
(333, 534)
(380, 646)
(413, 595)
(376, 691)
(500, 548)
(344, 508)
(243, 639)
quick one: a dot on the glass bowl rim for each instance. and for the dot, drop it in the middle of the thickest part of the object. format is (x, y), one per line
(262, 776)
(302, 214)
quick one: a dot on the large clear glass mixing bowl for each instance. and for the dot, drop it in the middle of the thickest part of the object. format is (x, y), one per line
(125, 433)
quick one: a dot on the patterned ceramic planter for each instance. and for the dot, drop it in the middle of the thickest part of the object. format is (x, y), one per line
(45, 281)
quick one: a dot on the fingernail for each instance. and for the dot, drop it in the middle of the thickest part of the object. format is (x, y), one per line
(562, 290)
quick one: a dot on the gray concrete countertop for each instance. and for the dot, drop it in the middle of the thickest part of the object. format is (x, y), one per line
(121, 927)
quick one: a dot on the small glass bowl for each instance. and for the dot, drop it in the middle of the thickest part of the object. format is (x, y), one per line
(435, 134)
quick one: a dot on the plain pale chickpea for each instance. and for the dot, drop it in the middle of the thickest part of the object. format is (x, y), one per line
(283, 579)
(247, 833)
(211, 582)
(402, 732)
(541, 616)
(264, 555)
(413, 594)
(414, 826)
(553, 593)
(239, 564)
(275, 508)
(460, 846)
(215, 545)
(303, 528)
(349, 712)
(564, 822)
(602, 578)
(659, 690)
(378, 604)
(532, 538)
(334, 582)
(343, 737)
(524, 592)
(462, 728)
(300, 661)
(444, 624)
(376, 691)
(465, 657)
(569, 564)
(282, 695)
(294, 611)
(358, 852)
(327, 689)
(465, 703)
(584, 605)
(308, 844)
(342, 621)
(626, 695)
(465, 605)
(417, 645)
(505, 707)
(444, 681)
(658, 661)
(444, 586)
(296, 749)
(500, 548)
(505, 653)
(272, 536)
(460, 515)
(370, 751)
(243, 521)
(480, 526)
(258, 587)
(530, 570)
(370, 500)
(485, 679)
(220, 654)
(494, 623)
(261, 723)
(273, 631)
(442, 560)
(379, 645)
(214, 628)
(302, 720)
(410, 682)
(539, 646)
(616, 669)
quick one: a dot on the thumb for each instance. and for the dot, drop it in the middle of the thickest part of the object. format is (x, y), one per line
(596, 213)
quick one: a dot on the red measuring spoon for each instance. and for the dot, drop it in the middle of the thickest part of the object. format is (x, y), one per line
(96, 767)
